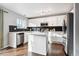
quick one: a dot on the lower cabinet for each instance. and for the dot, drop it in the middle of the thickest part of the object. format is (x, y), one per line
(38, 44)
(17, 38)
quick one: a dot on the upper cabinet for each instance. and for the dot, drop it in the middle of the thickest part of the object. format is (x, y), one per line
(60, 20)
(52, 21)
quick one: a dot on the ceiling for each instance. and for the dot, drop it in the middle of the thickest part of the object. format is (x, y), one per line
(38, 9)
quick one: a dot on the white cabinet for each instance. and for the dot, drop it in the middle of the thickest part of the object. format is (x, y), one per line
(13, 39)
(60, 20)
(52, 21)
(25, 37)
(38, 43)
(56, 20)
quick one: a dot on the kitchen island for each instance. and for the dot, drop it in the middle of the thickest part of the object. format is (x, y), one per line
(38, 43)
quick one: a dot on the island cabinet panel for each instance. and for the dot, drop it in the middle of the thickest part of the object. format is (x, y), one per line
(37, 43)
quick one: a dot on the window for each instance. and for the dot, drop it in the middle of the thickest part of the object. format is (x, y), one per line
(21, 23)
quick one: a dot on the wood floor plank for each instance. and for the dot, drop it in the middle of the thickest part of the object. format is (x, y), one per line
(22, 51)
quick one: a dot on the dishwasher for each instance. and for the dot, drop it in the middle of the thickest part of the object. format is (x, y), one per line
(20, 38)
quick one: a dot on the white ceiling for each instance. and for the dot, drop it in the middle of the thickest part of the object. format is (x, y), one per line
(38, 9)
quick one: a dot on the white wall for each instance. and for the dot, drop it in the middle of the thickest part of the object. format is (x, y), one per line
(9, 18)
(52, 21)
(77, 29)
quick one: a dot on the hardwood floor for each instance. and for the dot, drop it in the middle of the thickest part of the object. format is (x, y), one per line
(20, 51)
(23, 51)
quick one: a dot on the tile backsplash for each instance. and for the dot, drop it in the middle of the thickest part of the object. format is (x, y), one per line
(13, 28)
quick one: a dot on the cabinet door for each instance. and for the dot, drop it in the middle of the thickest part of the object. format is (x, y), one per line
(1, 28)
(39, 44)
(56, 20)
(25, 37)
(59, 21)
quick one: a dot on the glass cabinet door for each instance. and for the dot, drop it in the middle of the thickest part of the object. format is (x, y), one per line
(1, 28)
